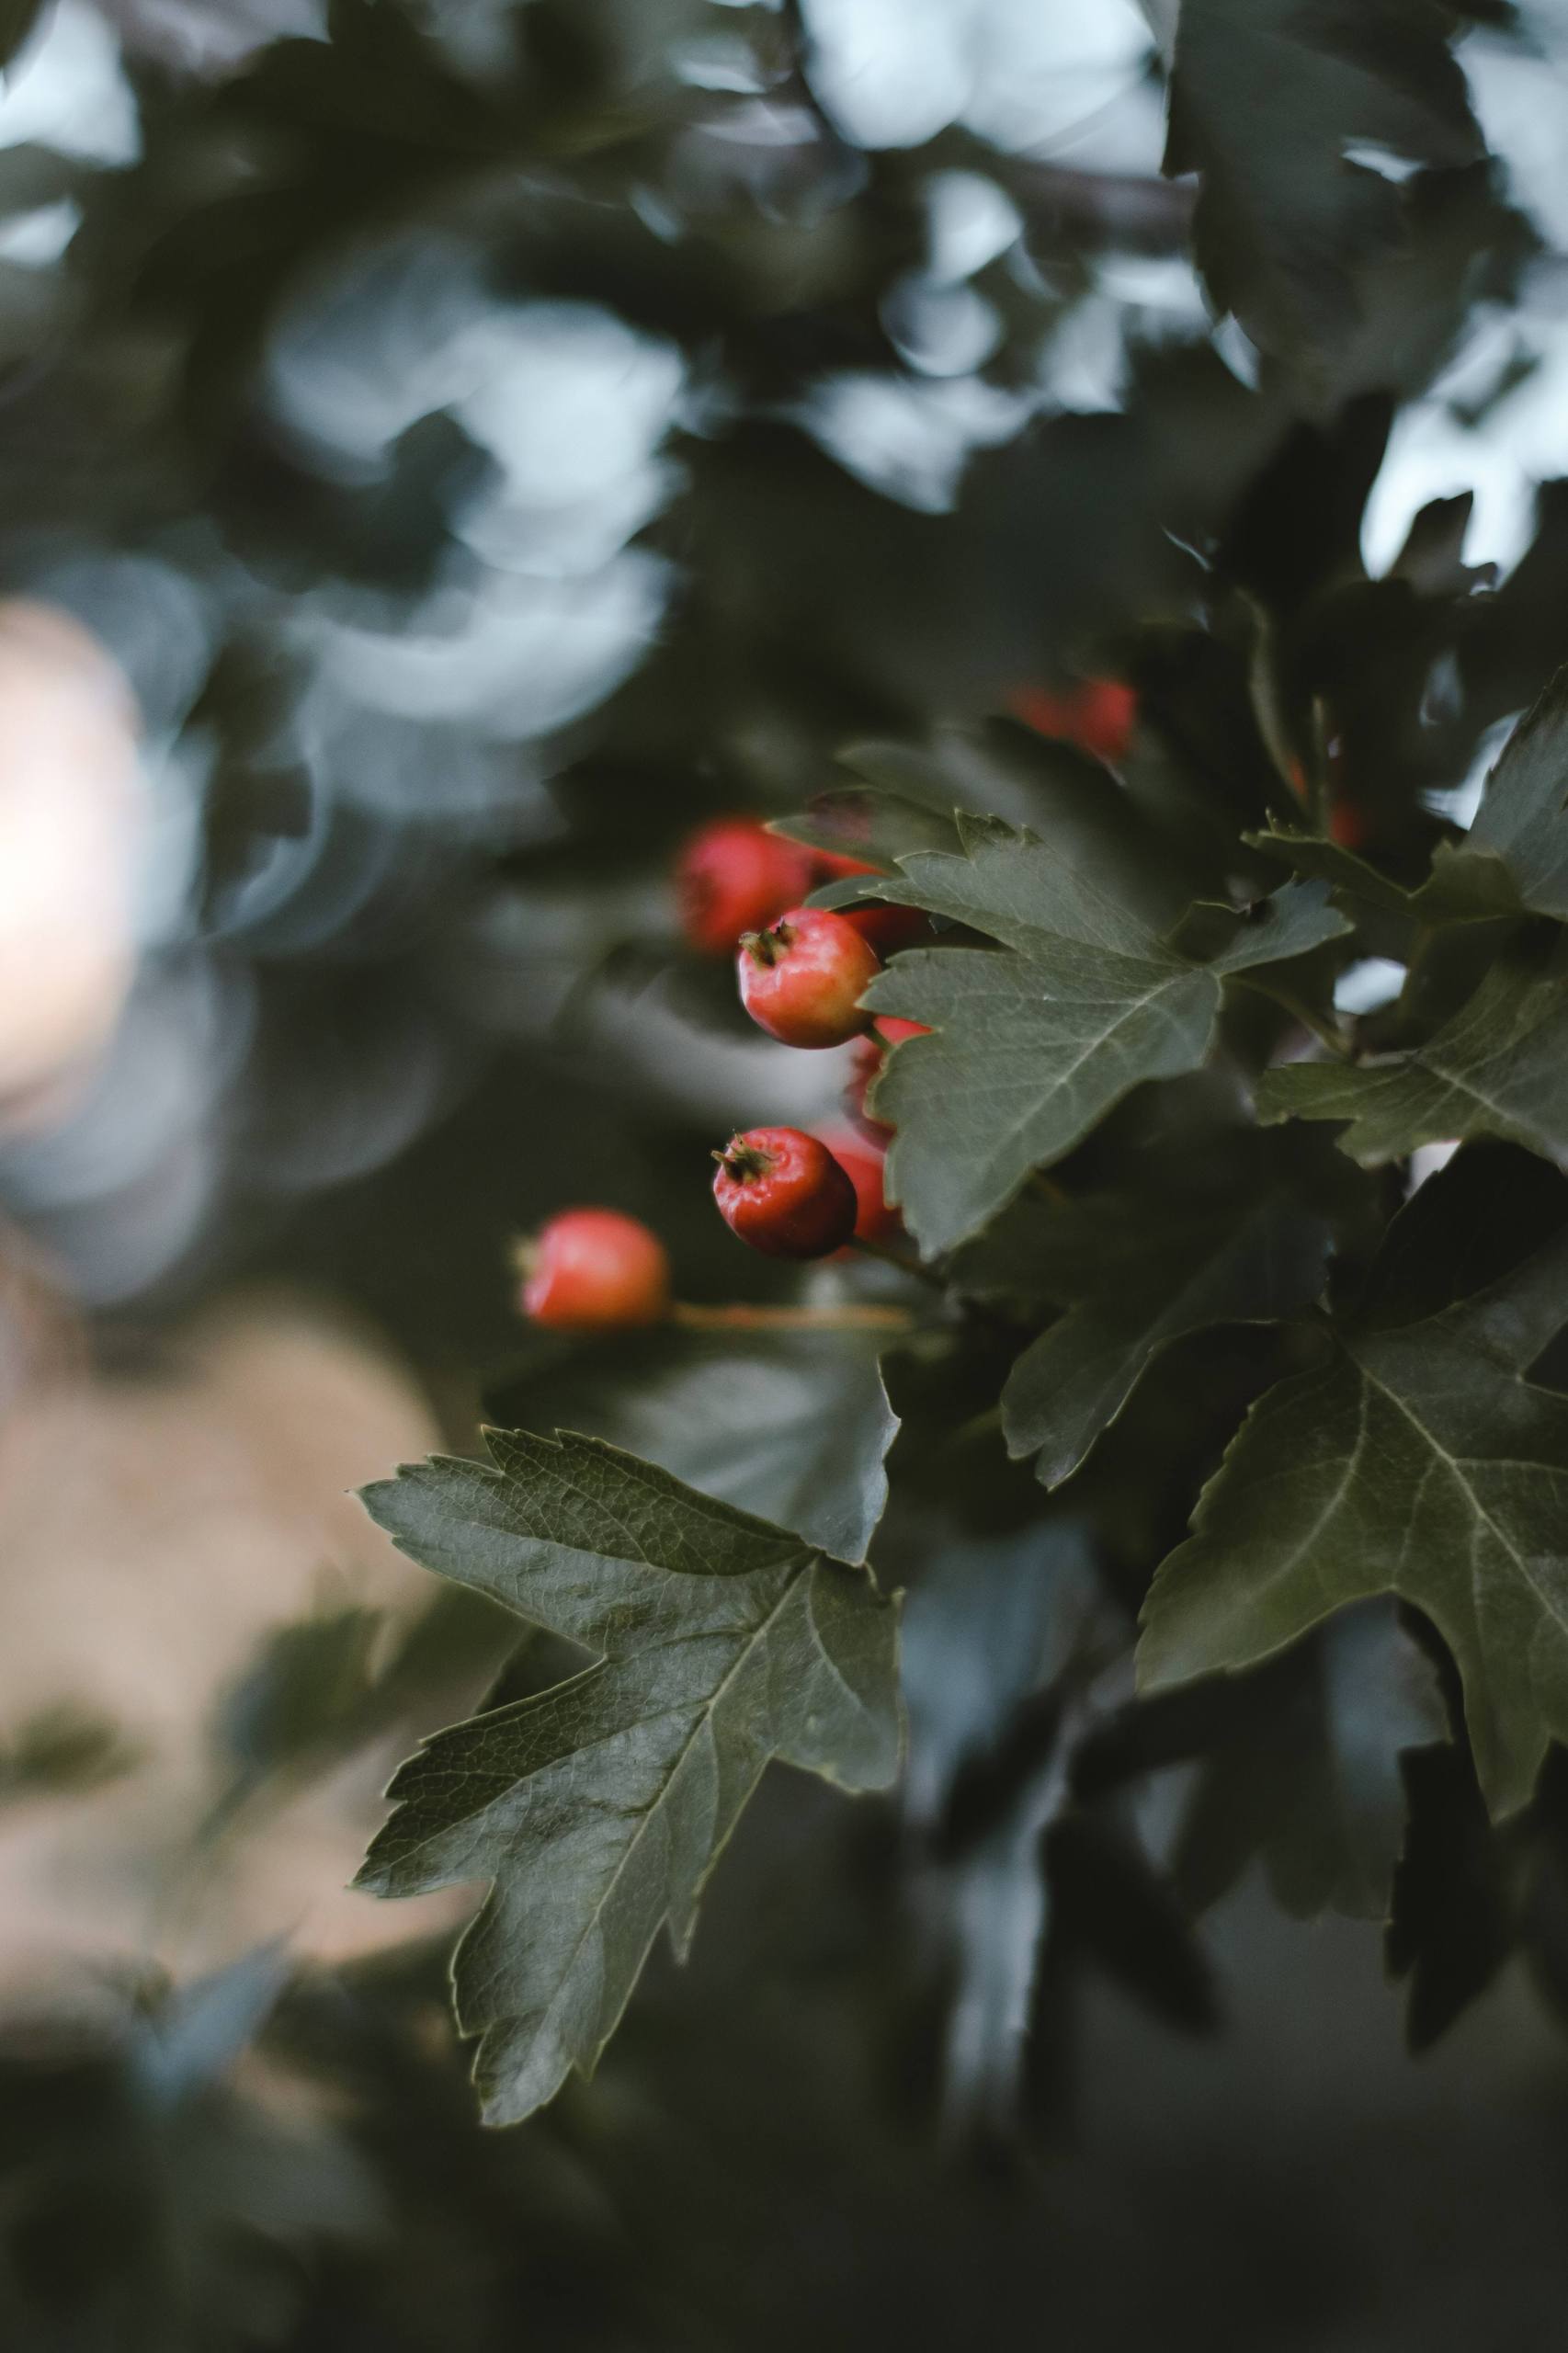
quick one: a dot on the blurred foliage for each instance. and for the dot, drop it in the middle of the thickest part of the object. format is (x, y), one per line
(495, 439)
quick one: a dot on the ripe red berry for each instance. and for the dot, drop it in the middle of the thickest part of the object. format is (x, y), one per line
(734, 876)
(592, 1270)
(892, 1028)
(801, 978)
(783, 1191)
(1099, 715)
(864, 1163)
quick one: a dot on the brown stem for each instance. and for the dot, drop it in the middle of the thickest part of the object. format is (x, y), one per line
(852, 1316)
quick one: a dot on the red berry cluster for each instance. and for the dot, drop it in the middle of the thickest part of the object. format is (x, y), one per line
(803, 971)
(803, 980)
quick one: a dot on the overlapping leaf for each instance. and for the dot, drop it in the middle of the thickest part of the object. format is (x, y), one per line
(793, 1426)
(1419, 1459)
(1312, 1780)
(596, 1809)
(1520, 825)
(1513, 861)
(1266, 96)
(1164, 1278)
(1033, 1045)
(1496, 1068)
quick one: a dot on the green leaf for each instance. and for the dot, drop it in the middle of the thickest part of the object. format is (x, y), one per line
(1513, 861)
(1454, 1917)
(597, 1808)
(1520, 825)
(792, 1425)
(1313, 1779)
(64, 1749)
(1495, 1069)
(1142, 1272)
(1266, 98)
(1031, 1048)
(1417, 1459)
(1316, 857)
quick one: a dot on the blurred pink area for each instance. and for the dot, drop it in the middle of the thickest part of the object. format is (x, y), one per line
(72, 812)
(154, 1527)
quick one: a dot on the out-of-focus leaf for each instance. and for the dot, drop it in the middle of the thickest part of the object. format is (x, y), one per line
(1310, 1777)
(1453, 1925)
(876, 827)
(792, 1425)
(1266, 96)
(1108, 1899)
(995, 1628)
(304, 1693)
(1418, 1458)
(64, 1750)
(596, 1809)
(150, 2201)
(194, 2038)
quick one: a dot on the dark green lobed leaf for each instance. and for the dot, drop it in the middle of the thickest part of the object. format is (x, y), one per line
(1033, 1047)
(1495, 1069)
(1165, 1276)
(1417, 1459)
(596, 1809)
(1266, 98)
(792, 1425)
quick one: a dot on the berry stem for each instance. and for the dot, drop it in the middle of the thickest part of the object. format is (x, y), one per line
(896, 1258)
(856, 1316)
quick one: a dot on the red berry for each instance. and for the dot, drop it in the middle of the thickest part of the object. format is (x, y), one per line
(783, 1191)
(864, 1162)
(802, 979)
(1099, 715)
(893, 1030)
(734, 876)
(591, 1270)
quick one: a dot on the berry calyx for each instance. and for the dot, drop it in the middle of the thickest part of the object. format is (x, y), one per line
(782, 1191)
(594, 1271)
(732, 876)
(864, 1163)
(801, 978)
(1098, 716)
